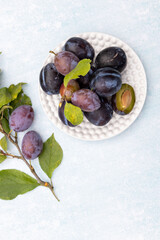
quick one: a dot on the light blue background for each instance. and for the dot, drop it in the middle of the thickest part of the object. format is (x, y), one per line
(108, 189)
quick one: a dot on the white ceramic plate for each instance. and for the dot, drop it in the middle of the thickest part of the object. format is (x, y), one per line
(133, 74)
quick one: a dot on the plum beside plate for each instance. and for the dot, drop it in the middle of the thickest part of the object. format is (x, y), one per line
(133, 74)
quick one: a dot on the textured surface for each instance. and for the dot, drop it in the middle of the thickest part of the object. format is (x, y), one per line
(109, 189)
(133, 74)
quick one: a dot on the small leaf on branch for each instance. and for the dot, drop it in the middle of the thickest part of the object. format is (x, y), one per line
(5, 125)
(5, 96)
(2, 158)
(73, 114)
(3, 143)
(14, 182)
(15, 90)
(51, 156)
(5, 107)
(22, 99)
(81, 69)
(6, 112)
(2, 110)
(0, 53)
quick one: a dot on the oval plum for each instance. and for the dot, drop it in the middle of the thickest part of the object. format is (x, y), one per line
(106, 82)
(21, 118)
(86, 99)
(32, 145)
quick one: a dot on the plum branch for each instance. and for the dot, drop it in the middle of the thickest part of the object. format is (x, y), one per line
(14, 141)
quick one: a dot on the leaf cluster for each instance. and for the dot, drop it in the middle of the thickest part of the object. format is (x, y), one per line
(14, 182)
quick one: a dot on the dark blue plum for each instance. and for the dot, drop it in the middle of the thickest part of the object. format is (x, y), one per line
(80, 47)
(106, 82)
(84, 81)
(113, 57)
(62, 116)
(101, 116)
(50, 79)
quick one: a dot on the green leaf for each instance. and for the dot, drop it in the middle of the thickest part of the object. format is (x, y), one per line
(51, 156)
(73, 114)
(4, 111)
(4, 108)
(13, 94)
(0, 53)
(2, 158)
(22, 99)
(15, 90)
(3, 143)
(14, 182)
(5, 125)
(5, 96)
(81, 69)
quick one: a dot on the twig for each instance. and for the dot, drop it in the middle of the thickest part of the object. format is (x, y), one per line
(9, 154)
(16, 141)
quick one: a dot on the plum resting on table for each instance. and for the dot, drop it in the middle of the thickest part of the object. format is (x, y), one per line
(21, 118)
(32, 145)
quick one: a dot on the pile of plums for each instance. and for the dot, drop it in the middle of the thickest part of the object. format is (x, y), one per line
(19, 121)
(99, 92)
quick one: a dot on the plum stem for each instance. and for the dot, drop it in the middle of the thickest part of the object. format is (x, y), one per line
(52, 52)
(15, 143)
